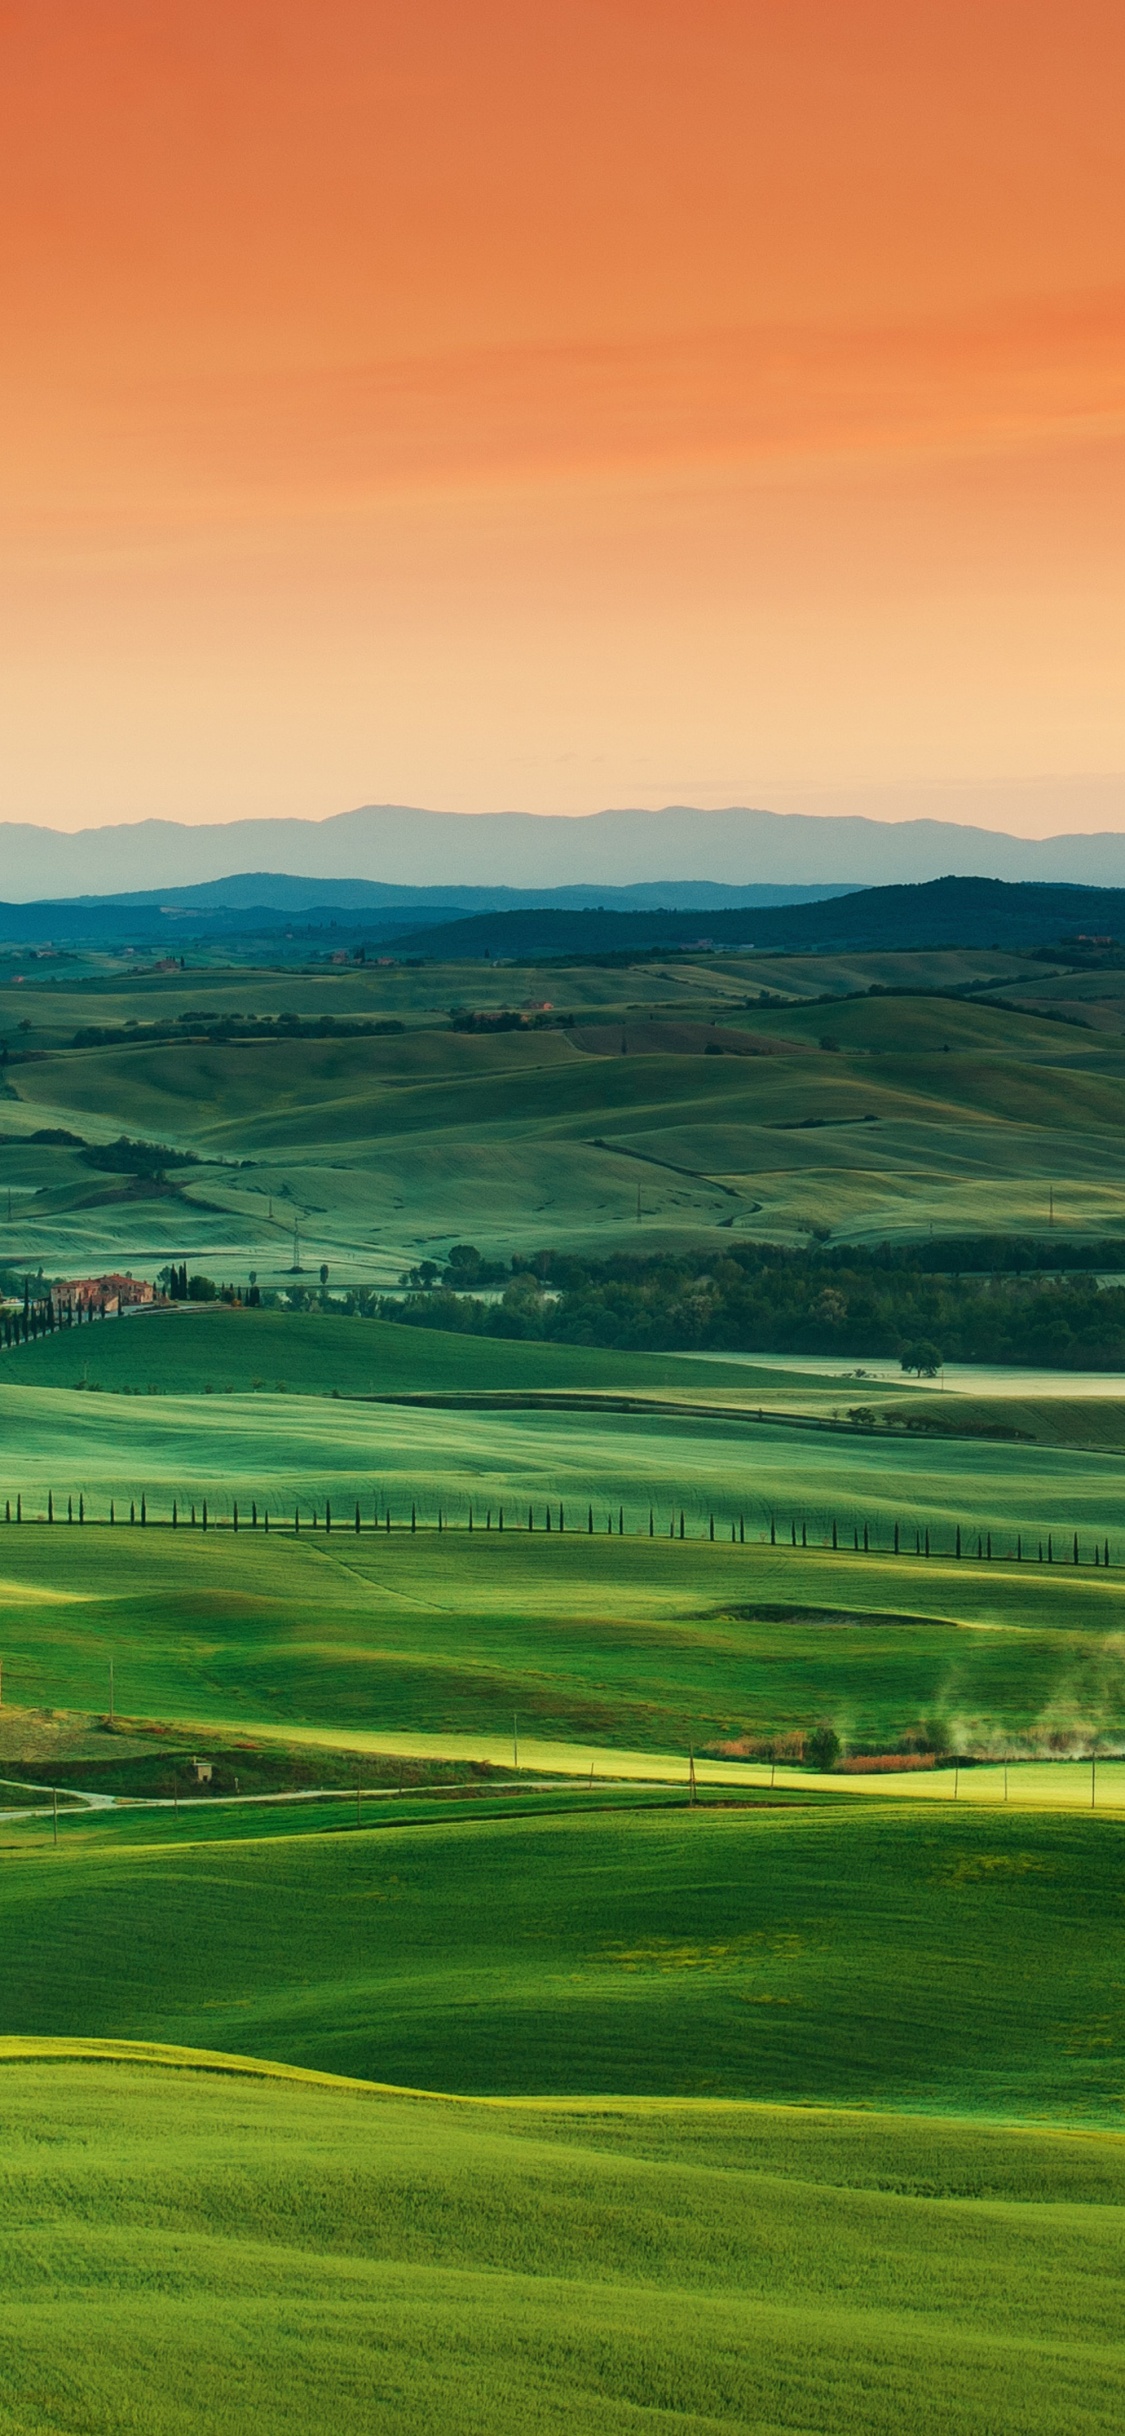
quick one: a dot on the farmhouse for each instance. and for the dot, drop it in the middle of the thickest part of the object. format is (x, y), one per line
(109, 1295)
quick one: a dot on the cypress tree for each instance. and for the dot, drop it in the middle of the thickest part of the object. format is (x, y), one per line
(742, 1530)
(51, 1508)
(1105, 1556)
(547, 1514)
(70, 1509)
(254, 1513)
(1076, 1547)
(835, 1541)
(927, 1542)
(621, 1522)
(590, 1520)
(793, 1533)
(205, 1514)
(132, 1511)
(19, 1510)
(266, 1522)
(234, 1517)
(855, 1538)
(413, 1517)
(896, 1539)
(867, 1544)
(175, 1516)
(81, 1507)
(988, 1548)
(327, 1514)
(651, 1524)
(804, 1535)
(500, 1519)
(296, 1522)
(562, 1517)
(357, 1518)
(193, 1518)
(958, 1539)
(1050, 1548)
(530, 1519)
(681, 1522)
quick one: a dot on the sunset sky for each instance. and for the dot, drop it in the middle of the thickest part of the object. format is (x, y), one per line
(559, 403)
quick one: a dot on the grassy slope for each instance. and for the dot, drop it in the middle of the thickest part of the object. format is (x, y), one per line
(197, 1347)
(238, 2254)
(278, 1448)
(852, 1954)
(387, 1146)
(629, 1643)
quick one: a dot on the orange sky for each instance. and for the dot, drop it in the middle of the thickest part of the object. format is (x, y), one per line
(554, 403)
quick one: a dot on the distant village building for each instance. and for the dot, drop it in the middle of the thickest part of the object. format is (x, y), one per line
(109, 1295)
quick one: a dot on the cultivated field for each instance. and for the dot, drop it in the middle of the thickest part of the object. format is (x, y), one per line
(870, 1116)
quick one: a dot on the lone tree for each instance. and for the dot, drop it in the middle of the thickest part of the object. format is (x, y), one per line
(822, 1747)
(923, 1359)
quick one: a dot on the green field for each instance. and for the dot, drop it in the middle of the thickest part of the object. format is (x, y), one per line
(796, 2107)
(852, 1954)
(210, 2250)
(920, 1112)
(201, 1348)
(613, 1644)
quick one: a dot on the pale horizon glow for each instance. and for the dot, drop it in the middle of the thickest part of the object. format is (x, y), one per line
(611, 403)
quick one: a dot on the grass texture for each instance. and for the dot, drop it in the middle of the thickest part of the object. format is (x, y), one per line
(854, 1953)
(628, 1643)
(186, 2248)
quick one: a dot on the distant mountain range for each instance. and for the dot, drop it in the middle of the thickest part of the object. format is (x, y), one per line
(398, 846)
(263, 904)
(936, 913)
(504, 925)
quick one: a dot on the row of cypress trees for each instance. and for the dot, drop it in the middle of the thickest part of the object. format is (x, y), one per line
(197, 1515)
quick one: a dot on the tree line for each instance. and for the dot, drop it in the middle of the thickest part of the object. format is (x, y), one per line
(829, 1534)
(762, 1299)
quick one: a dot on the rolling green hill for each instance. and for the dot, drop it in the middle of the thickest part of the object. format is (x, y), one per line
(867, 1115)
(852, 1953)
(212, 2249)
(195, 1349)
(603, 1642)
